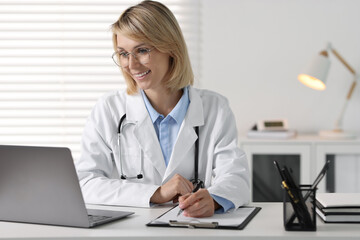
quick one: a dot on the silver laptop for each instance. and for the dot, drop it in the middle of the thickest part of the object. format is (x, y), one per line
(40, 185)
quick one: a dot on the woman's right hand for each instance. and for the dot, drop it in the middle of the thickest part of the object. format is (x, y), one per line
(175, 187)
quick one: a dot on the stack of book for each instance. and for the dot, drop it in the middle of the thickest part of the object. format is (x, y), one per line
(271, 134)
(338, 207)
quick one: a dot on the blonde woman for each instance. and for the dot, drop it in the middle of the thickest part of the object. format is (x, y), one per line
(161, 140)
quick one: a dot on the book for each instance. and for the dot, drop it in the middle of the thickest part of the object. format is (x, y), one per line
(338, 200)
(338, 210)
(338, 207)
(338, 218)
(271, 134)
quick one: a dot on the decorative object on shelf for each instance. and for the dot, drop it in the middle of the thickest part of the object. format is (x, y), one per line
(271, 129)
(314, 77)
(272, 125)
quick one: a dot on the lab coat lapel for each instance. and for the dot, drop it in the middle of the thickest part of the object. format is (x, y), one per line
(187, 136)
(145, 132)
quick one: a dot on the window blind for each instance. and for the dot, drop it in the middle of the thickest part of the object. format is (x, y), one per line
(55, 62)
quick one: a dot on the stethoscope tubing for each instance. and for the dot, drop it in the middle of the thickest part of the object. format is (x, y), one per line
(122, 175)
(141, 174)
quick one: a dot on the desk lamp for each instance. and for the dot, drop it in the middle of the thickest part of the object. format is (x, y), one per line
(314, 77)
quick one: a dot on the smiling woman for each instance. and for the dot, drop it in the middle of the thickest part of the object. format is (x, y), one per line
(158, 28)
(161, 140)
(55, 63)
(152, 72)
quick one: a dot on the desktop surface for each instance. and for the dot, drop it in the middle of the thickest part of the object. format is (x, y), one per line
(267, 224)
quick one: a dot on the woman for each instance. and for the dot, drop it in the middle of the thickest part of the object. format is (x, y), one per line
(153, 158)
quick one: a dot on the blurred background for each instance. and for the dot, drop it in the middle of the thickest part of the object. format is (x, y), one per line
(55, 61)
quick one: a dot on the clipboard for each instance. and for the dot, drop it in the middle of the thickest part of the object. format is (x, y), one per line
(234, 219)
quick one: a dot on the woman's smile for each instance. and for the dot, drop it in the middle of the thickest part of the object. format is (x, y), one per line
(141, 75)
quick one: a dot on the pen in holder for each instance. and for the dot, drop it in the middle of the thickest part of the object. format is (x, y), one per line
(299, 214)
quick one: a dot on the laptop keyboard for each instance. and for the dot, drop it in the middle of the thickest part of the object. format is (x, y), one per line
(95, 218)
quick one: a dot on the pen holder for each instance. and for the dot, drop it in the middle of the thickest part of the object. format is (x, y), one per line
(300, 216)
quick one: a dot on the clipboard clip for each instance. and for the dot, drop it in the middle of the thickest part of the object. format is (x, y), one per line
(192, 224)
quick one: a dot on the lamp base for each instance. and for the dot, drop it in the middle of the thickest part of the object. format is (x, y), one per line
(336, 134)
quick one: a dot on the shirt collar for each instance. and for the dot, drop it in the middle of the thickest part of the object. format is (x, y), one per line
(179, 111)
(152, 112)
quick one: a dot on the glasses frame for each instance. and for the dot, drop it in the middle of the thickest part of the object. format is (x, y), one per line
(148, 50)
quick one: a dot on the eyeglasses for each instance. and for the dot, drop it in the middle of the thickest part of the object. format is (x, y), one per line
(141, 54)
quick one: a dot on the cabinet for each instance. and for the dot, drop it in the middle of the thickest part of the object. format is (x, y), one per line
(306, 155)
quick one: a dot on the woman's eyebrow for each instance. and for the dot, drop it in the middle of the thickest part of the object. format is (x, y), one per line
(139, 45)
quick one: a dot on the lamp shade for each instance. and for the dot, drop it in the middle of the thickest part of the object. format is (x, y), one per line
(316, 72)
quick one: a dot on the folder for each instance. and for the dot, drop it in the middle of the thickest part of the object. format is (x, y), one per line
(234, 219)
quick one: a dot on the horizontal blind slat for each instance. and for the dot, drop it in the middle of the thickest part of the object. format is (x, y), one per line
(55, 63)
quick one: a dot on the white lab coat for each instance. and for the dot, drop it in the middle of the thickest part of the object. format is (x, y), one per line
(222, 165)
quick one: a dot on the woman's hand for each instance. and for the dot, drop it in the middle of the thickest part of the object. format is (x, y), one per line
(198, 204)
(175, 187)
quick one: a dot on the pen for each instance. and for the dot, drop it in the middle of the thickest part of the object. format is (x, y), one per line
(289, 192)
(196, 188)
(313, 186)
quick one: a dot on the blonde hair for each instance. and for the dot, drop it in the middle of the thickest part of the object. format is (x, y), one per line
(153, 23)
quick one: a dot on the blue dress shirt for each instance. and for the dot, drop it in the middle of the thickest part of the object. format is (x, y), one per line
(167, 129)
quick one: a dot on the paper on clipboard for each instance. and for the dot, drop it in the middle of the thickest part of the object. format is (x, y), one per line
(231, 219)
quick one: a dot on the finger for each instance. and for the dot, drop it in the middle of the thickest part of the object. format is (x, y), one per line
(190, 200)
(197, 205)
(183, 185)
(185, 188)
(202, 211)
(198, 200)
(188, 184)
(202, 208)
(202, 193)
(183, 198)
(198, 213)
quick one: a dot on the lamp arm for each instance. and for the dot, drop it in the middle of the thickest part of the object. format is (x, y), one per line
(353, 85)
(343, 61)
(351, 90)
(338, 124)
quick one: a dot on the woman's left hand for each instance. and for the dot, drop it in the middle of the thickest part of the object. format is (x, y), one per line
(198, 204)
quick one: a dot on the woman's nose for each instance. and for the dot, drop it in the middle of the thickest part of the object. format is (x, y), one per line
(133, 62)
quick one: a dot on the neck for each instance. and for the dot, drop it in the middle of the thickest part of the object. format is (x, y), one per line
(163, 102)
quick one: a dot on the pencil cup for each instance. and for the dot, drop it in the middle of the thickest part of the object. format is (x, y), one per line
(299, 212)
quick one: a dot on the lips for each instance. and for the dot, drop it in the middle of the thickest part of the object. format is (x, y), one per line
(141, 75)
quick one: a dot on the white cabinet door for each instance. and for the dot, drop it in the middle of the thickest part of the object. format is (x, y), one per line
(347, 165)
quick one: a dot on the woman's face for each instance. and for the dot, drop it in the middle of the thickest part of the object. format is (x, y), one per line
(150, 74)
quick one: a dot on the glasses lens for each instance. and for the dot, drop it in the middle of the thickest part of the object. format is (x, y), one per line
(116, 58)
(142, 55)
(123, 60)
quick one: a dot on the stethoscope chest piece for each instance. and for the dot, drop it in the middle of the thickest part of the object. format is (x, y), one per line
(139, 176)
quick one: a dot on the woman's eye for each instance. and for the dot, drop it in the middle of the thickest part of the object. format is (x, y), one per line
(142, 50)
(123, 54)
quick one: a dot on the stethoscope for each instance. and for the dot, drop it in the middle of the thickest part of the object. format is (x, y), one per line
(196, 181)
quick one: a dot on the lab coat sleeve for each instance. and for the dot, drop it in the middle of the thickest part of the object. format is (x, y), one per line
(96, 166)
(230, 168)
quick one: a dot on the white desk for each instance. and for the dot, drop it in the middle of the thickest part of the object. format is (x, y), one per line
(267, 224)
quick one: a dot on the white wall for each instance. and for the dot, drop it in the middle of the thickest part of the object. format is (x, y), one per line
(253, 50)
